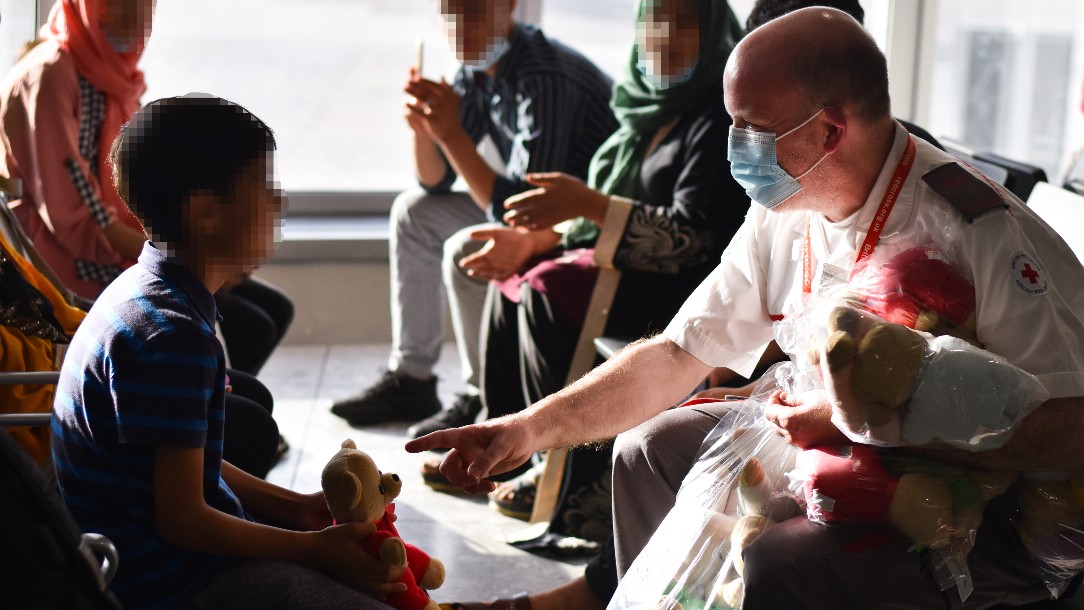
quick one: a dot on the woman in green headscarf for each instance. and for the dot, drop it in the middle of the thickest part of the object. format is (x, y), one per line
(660, 206)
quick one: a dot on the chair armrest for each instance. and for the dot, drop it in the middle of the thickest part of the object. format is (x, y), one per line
(29, 378)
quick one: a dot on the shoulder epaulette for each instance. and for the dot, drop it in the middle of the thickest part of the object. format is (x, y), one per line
(966, 192)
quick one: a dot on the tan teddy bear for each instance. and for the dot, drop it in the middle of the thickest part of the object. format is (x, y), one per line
(356, 491)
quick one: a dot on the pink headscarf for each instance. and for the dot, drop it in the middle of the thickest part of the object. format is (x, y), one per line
(75, 26)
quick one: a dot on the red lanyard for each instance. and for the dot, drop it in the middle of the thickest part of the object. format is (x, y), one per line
(873, 235)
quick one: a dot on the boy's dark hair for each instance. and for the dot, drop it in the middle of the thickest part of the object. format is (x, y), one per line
(175, 146)
(766, 10)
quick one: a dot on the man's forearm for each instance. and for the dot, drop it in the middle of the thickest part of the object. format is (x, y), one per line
(460, 151)
(638, 383)
(429, 165)
(1047, 439)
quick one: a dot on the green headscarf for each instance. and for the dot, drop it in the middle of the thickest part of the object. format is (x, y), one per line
(641, 108)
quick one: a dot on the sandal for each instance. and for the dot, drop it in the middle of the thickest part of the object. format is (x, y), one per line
(519, 602)
(436, 481)
(515, 498)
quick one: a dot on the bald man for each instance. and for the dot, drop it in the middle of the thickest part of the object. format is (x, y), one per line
(815, 146)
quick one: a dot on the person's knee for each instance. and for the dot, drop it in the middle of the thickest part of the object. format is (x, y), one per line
(655, 446)
(782, 560)
(406, 206)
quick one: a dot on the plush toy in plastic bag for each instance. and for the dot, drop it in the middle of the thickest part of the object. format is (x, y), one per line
(891, 385)
(937, 506)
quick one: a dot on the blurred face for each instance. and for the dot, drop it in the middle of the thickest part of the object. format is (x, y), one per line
(669, 40)
(127, 23)
(252, 217)
(476, 28)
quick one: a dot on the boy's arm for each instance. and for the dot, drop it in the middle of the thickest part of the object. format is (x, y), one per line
(185, 519)
(276, 505)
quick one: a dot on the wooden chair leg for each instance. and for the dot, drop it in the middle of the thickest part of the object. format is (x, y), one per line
(549, 486)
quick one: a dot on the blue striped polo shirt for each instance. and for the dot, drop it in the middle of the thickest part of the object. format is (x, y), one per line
(145, 369)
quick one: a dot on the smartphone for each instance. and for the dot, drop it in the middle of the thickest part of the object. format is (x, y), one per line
(421, 56)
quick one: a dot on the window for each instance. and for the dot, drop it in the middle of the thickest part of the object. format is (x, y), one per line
(16, 29)
(1005, 77)
(328, 77)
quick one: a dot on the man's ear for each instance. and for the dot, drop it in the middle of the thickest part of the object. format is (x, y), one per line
(204, 212)
(836, 132)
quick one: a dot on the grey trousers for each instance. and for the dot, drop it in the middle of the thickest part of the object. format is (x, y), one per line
(430, 234)
(262, 583)
(800, 564)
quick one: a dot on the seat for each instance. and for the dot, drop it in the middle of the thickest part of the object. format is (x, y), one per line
(968, 155)
(47, 562)
(1061, 209)
(1017, 176)
(1020, 178)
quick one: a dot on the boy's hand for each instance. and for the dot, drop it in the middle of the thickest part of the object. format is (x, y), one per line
(337, 552)
(437, 106)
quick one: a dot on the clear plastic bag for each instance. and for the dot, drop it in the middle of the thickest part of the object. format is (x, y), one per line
(737, 487)
(1051, 524)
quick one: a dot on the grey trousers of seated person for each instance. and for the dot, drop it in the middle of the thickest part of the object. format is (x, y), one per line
(800, 564)
(650, 461)
(258, 584)
(427, 241)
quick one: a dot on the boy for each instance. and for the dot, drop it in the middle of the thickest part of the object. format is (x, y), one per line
(138, 426)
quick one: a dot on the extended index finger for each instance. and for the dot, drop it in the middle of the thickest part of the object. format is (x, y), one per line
(446, 439)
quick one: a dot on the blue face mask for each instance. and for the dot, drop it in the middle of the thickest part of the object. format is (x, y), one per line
(754, 165)
(663, 82)
(495, 50)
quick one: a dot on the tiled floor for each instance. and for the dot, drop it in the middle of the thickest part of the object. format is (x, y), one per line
(461, 530)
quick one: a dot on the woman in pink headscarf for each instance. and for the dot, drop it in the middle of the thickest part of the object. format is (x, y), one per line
(60, 108)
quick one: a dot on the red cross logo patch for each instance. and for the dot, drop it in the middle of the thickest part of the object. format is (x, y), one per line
(1026, 275)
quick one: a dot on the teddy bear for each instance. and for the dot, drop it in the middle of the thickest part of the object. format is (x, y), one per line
(356, 491)
(891, 385)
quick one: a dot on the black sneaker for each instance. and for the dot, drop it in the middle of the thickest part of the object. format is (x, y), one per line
(462, 413)
(394, 398)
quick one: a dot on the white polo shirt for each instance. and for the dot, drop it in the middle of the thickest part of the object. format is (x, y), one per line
(1029, 286)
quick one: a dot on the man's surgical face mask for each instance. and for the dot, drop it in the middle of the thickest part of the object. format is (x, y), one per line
(753, 163)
